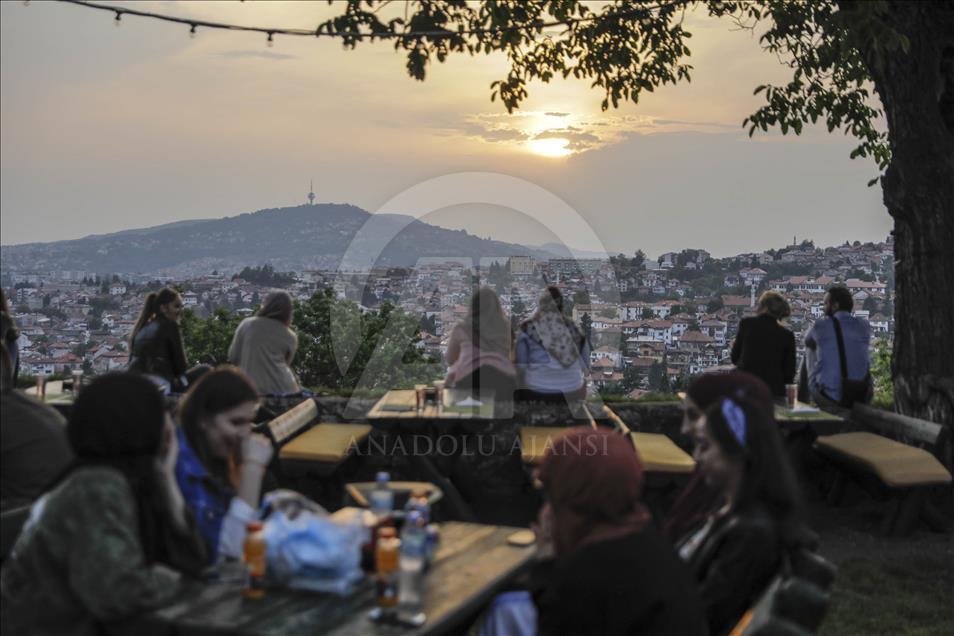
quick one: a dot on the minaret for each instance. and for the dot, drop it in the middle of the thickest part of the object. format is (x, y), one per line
(311, 193)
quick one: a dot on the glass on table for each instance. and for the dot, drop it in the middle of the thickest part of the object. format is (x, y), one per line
(791, 395)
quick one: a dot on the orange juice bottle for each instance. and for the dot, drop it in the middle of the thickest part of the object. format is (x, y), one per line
(387, 557)
(254, 556)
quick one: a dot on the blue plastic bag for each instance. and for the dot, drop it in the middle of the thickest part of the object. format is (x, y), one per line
(311, 552)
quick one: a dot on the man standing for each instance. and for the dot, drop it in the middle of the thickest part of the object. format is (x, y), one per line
(823, 360)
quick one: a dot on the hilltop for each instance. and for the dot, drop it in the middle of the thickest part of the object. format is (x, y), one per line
(292, 238)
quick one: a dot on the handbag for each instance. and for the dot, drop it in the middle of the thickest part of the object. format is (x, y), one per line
(851, 390)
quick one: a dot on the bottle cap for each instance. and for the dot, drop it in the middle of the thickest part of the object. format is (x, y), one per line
(253, 526)
(387, 532)
(383, 476)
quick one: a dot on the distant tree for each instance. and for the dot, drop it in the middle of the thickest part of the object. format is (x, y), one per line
(429, 324)
(586, 324)
(870, 304)
(714, 305)
(207, 340)
(659, 378)
(376, 349)
(47, 299)
(266, 276)
(638, 260)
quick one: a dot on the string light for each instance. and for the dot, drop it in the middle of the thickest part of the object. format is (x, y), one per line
(270, 42)
(192, 31)
(635, 12)
(119, 18)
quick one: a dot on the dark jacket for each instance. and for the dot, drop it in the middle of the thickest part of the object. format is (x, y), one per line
(33, 448)
(765, 349)
(632, 585)
(735, 562)
(157, 349)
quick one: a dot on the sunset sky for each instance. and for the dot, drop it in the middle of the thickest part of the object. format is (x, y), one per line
(107, 128)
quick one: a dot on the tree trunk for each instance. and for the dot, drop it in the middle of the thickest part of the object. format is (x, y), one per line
(917, 92)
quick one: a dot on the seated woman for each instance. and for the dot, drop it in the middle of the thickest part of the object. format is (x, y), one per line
(113, 537)
(221, 463)
(739, 547)
(698, 500)
(264, 346)
(478, 350)
(155, 344)
(613, 573)
(765, 348)
(551, 353)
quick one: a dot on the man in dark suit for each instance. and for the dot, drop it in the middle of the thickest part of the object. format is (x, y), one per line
(765, 348)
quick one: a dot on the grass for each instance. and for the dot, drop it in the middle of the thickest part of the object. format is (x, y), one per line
(872, 598)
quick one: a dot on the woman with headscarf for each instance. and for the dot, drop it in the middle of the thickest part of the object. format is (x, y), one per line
(552, 353)
(478, 350)
(739, 548)
(697, 500)
(113, 536)
(264, 346)
(613, 573)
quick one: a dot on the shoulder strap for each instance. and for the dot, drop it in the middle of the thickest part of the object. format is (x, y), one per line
(842, 360)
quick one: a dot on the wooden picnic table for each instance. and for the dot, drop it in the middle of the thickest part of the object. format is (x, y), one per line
(819, 421)
(56, 396)
(401, 404)
(472, 563)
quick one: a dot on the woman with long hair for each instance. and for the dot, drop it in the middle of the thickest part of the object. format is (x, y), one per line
(478, 350)
(221, 462)
(264, 346)
(113, 536)
(739, 547)
(697, 500)
(155, 343)
(551, 353)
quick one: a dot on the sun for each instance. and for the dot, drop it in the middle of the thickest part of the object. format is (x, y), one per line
(550, 147)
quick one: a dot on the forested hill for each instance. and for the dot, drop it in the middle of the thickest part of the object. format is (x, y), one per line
(303, 237)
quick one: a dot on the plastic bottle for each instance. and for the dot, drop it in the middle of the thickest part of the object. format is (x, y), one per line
(253, 550)
(386, 560)
(382, 497)
(413, 557)
(418, 502)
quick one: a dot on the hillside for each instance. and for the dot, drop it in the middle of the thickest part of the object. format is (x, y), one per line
(295, 238)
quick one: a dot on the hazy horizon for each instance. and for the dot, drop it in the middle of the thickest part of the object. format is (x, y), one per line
(106, 129)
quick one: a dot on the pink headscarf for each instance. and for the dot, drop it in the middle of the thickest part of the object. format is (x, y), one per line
(593, 480)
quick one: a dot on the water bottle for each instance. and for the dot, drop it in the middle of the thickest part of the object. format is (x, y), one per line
(413, 554)
(418, 502)
(382, 497)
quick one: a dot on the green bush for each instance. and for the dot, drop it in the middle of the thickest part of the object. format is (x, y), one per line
(881, 374)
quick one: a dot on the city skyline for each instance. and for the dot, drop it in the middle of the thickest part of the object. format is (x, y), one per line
(107, 129)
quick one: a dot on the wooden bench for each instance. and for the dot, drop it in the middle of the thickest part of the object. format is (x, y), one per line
(660, 454)
(905, 471)
(306, 449)
(535, 441)
(328, 444)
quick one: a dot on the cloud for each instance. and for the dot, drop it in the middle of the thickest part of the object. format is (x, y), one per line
(578, 141)
(555, 114)
(268, 55)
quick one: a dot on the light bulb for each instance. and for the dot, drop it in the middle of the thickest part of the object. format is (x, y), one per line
(270, 42)
(119, 19)
(192, 32)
